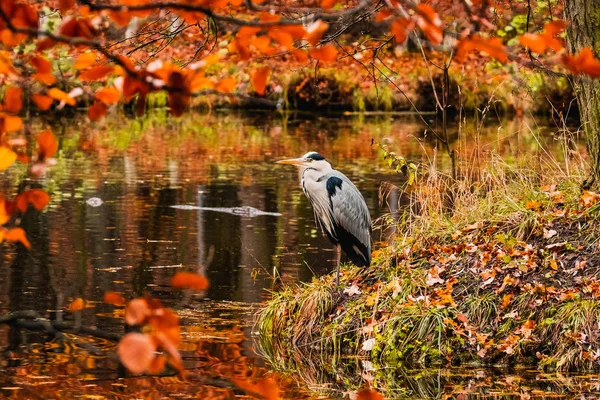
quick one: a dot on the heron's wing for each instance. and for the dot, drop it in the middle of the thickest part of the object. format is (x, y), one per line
(351, 218)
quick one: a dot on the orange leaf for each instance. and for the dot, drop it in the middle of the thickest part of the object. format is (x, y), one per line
(189, 280)
(96, 73)
(43, 102)
(588, 198)
(326, 53)
(77, 305)
(297, 31)
(114, 298)
(368, 394)
(137, 312)
(85, 60)
(315, 31)
(157, 365)
(13, 101)
(38, 198)
(108, 95)
(301, 55)
(399, 28)
(533, 205)
(17, 235)
(536, 43)
(7, 157)
(583, 63)
(493, 47)
(4, 214)
(96, 111)
(328, 3)
(285, 39)
(268, 17)
(383, 14)
(46, 79)
(11, 123)
(266, 387)
(136, 352)
(226, 85)
(262, 44)
(260, 78)
(47, 144)
(59, 95)
(166, 322)
(430, 23)
(247, 31)
(6, 65)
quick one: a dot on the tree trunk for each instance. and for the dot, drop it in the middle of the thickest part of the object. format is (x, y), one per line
(583, 18)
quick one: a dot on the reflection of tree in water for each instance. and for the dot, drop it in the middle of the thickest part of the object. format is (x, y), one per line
(330, 376)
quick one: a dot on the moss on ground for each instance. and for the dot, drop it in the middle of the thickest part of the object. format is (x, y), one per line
(523, 289)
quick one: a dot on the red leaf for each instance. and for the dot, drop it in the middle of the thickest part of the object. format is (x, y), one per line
(97, 110)
(65, 5)
(41, 65)
(189, 280)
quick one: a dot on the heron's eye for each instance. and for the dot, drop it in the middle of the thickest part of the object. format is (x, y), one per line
(310, 160)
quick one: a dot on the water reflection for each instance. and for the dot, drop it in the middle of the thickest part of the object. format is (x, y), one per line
(135, 240)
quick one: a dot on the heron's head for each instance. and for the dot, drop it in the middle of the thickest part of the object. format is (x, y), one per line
(312, 159)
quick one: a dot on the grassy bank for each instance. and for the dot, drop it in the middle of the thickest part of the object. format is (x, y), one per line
(502, 271)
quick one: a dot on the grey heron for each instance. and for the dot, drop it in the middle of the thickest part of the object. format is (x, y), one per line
(339, 208)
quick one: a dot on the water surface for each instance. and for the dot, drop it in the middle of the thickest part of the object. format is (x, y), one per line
(111, 226)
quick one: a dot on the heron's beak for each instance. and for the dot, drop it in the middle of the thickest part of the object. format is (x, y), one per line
(292, 161)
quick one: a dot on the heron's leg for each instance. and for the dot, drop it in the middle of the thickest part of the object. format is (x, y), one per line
(338, 256)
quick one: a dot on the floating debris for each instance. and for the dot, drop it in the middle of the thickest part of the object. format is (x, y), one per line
(94, 202)
(245, 211)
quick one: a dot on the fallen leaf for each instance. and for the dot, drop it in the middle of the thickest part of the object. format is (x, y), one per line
(352, 290)
(369, 344)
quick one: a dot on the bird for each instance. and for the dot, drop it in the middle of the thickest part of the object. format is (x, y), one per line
(339, 207)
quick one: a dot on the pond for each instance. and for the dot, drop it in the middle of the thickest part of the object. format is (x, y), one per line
(134, 201)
